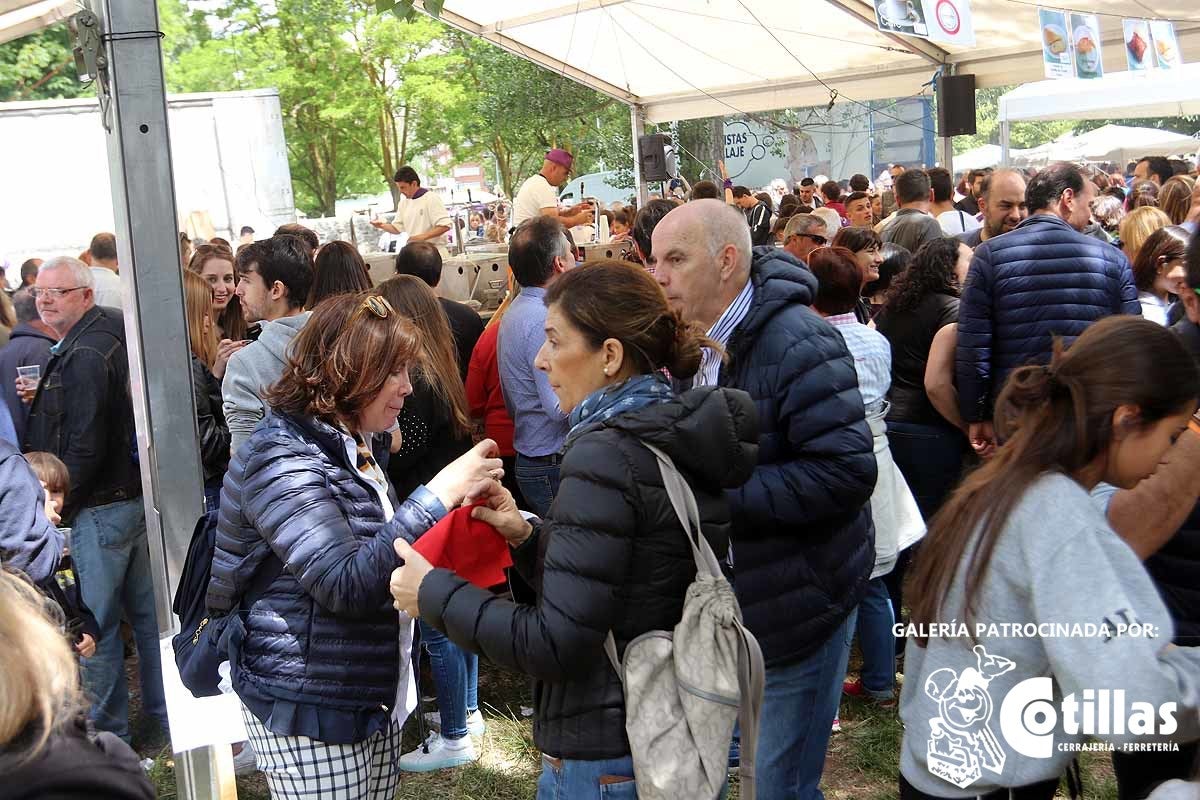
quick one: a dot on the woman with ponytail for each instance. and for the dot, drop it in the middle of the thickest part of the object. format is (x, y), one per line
(611, 554)
(1022, 587)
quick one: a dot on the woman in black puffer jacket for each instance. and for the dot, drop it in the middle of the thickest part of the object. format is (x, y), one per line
(304, 548)
(611, 553)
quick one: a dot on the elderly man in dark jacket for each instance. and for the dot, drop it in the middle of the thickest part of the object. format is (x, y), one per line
(1041, 280)
(83, 414)
(802, 540)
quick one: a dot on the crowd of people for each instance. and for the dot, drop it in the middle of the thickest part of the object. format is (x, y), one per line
(912, 416)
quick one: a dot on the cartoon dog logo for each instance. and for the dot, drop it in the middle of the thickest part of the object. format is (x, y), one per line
(962, 743)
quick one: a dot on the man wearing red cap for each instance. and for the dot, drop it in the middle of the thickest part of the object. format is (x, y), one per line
(539, 195)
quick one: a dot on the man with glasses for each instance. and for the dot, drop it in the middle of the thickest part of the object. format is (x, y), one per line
(803, 234)
(82, 412)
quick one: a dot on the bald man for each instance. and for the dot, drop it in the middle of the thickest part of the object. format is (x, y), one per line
(801, 537)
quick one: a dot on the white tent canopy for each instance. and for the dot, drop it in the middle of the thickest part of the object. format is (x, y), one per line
(681, 59)
(982, 157)
(1116, 143)
(1158, 93)
(22, 17)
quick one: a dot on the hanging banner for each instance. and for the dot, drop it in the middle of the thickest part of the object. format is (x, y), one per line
(1056, 43)
(950, 22)
(1166, 48)
(1137, 45)
(1085, 43)
(947, 21)
(901, 16)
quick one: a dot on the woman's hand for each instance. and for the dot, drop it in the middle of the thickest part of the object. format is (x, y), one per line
(406, 580)
(500, 511)
(225, 351)
(477, 464)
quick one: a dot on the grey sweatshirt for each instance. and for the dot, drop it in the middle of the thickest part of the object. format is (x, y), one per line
(1057, 564)
(251, 372)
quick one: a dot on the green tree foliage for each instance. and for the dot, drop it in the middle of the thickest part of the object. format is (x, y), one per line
(40, 66)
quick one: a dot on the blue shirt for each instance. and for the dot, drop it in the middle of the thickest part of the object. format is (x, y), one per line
(539, 425)
(722, 329)
(872, 354)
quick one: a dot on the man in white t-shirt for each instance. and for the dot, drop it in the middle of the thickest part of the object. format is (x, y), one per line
(538, 196)
(420, 213)
(107, 286)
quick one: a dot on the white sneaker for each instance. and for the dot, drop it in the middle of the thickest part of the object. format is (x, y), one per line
(475, 724)
(442, 754)
(244, 762)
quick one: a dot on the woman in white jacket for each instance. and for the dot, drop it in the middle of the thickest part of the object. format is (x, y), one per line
(1036, 625)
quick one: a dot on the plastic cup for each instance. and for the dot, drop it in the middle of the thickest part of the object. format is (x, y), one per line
(30, 375)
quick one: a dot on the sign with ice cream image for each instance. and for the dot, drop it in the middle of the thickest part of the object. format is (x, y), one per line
(1085, 41)
(1166, 48)
(1056, 43)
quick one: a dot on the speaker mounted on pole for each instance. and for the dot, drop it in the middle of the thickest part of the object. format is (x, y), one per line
(657, 162)
(955, 105)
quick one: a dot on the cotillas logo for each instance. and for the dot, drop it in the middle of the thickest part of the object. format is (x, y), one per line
(962, 743)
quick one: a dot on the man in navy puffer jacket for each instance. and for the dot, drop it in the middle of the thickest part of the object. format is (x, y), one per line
(802, 540)
(1042, 279)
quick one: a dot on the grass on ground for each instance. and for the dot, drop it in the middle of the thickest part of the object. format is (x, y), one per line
(862, 762)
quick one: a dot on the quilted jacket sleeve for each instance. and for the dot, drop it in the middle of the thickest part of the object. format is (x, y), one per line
(973, 359)
(829, 465)
(588, 550)
(1127, 299)
(286, 498)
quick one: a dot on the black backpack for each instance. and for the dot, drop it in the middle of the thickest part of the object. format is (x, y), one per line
(197, 651)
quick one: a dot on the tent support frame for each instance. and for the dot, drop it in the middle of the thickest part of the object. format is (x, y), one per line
(139, 158)
(637, 119)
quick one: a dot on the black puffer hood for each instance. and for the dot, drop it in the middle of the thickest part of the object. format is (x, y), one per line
(710, 433)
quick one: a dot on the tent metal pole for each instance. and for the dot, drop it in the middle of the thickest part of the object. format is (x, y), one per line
(134, 110)
(637, 117)
(1004, 143)
(945, 143)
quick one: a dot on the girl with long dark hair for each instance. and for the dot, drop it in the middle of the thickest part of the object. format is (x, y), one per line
(1027, 608)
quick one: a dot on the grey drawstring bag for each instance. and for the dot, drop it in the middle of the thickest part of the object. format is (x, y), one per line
(685, 689)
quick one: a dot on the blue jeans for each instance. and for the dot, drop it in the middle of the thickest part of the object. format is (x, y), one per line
(108, 546)
(456, 676)
(573, 779)
(538, 479)
(876, 641)
(799, 705)
(930, 458)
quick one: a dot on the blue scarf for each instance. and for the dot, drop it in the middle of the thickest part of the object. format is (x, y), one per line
(629, 395)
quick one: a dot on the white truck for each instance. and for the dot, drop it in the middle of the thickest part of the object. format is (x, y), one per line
(227, 150)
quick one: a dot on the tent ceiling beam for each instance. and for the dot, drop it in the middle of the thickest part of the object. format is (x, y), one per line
(865, 14)
(550, 13)
(531, 54)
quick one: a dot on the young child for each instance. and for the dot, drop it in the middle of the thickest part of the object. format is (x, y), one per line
(65, 589)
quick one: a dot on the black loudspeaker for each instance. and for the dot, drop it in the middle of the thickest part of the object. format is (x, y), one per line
(956, 105)
(656, 161)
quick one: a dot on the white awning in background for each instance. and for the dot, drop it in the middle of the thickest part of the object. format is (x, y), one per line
(1158, 93)
(21, 17)
(1115, 143)
(682, 59)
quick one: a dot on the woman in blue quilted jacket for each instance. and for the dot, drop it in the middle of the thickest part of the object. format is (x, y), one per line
(304, 549)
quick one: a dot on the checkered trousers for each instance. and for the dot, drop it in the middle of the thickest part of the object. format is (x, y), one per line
(300, 768)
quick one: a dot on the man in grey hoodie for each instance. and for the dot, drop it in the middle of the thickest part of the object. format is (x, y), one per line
(274, 277)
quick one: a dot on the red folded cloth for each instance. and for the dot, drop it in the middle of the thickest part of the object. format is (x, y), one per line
(472, 549)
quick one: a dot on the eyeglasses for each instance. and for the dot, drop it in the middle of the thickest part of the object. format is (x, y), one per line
(54, 294)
